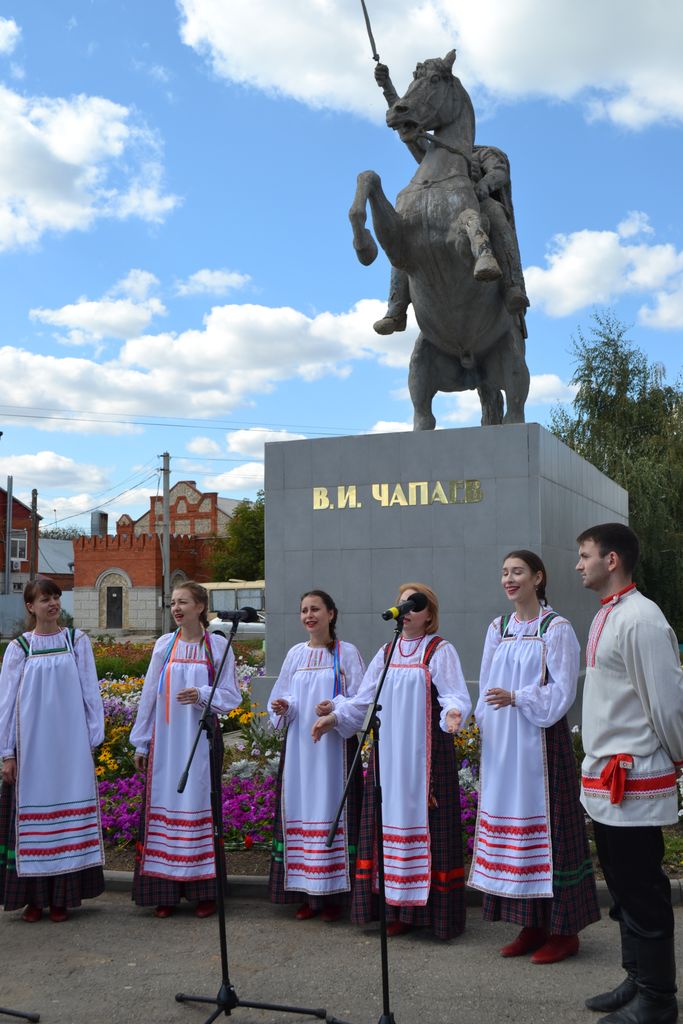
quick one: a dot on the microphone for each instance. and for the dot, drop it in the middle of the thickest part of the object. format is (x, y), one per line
(245, 614)
(416, 603)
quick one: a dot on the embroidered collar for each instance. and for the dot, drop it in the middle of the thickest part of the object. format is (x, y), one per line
(614, 598)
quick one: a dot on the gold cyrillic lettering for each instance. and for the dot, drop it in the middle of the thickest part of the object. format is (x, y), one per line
(439, 496)
(456, 492)
(473, 491)
(380, 493)
(320, 498)
(346, 496)
(413, 493)
(398, 497)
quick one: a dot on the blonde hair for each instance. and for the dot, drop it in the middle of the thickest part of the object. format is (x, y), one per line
(432, 623)
(200, 595)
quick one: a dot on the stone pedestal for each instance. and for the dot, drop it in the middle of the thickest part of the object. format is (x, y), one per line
(357, 516)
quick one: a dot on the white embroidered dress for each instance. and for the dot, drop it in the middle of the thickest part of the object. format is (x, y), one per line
(512, 853)
(51, 714)
(178, 841)
(405, 754)
(314, 774)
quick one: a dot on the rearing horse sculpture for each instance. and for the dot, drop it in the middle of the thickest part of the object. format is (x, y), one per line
(437, 236)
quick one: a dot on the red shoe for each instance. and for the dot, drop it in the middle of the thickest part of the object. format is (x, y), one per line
(32, 914)
(59, 914)
(398, 928)
(558, 947)
(205, 908)
(527, 941)
(163, 911)
(331, 912)
(305, 912)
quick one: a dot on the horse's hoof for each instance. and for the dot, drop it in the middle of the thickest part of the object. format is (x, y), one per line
(390, 324)
(486, 268)
(365, 247)
(515, 300)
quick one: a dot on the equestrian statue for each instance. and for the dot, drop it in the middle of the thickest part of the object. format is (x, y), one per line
(452, 245)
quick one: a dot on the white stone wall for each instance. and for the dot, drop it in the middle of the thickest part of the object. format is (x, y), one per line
(86, 608)
(144, 612)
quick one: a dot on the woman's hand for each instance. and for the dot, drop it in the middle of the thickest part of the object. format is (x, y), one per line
(323, 725)
(325, 707)
(453, 720)
(188, 696)
(9, 770)
(499, 698)
(140, 762)
(280, 707)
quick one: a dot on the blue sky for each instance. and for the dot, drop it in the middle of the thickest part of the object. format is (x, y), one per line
(177, 271)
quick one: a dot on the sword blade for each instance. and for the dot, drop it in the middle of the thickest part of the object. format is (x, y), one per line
(375, 55)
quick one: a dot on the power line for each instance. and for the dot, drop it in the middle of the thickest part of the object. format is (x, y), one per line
(109, 501)
(178, 424)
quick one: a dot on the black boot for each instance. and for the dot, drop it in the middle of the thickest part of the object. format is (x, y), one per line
(625, 992)
(656, 1001)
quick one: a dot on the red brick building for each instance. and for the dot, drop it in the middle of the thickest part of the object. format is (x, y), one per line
(118, 579)
(21, 543)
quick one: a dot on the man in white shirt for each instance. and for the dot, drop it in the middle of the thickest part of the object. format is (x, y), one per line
(633, 740)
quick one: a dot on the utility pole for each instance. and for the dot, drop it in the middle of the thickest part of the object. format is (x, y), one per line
(33, 561)
(166, 542)
(8, 538)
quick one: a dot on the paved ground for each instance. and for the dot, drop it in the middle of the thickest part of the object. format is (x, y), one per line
(115, 963)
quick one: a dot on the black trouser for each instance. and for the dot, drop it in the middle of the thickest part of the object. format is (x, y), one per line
(631, 860)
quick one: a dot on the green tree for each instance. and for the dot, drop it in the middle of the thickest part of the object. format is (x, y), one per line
(240, 555)
(628, 423)
(61, 532)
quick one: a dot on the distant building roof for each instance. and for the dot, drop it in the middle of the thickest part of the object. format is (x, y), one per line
(55, 556)
(227, 505)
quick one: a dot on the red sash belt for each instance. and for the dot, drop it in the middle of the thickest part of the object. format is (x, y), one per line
(614, 776)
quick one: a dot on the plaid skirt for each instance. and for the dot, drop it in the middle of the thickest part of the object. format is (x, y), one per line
(166, 892)
(66, 890)
(276, 881)
(444, 912)
(574, 904)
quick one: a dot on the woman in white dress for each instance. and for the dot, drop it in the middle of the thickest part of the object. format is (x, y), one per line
(424, 701)
(531, 856)
(175, 853)
(51, 719)
(316, 674)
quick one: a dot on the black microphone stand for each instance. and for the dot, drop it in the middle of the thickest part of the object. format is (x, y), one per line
(372, 726)
(227, 999)
(21, 1014)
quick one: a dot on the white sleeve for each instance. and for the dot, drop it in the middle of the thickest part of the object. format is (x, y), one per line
(545, 705)
(650, 653)
(141, 733)
(90, 688)
(446, 673)
(353, 668)
(350, 711)
(227, 695)
(10, 678)
(493, 638)
(282, 690)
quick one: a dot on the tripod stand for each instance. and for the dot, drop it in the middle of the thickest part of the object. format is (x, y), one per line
(227, 999)
(20, 1014)
(372, 726)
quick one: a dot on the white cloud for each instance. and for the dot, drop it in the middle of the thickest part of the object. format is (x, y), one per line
(203, 446)
(250, 442)
(390, 427)
(48, 469)
(248, 477)
(9, 35)
(212, 282)
(91, 321)
(465, 409)
(548, 388)
(75, 508)
(667, 312)
(137, 284)
(621, 60)
(588, 267)
(635, 223)
(68, 162)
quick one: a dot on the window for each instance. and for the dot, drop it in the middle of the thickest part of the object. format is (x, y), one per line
(18, 545)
